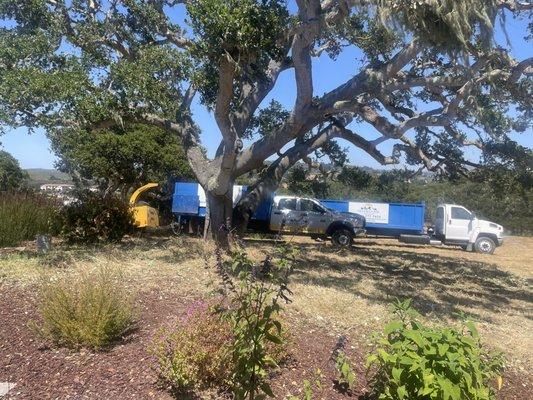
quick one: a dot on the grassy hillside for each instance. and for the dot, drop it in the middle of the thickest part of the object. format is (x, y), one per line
(39, 176)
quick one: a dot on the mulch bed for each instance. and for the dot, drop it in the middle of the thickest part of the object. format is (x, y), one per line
(126, 370)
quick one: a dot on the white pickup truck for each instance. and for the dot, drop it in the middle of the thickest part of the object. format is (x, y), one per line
(456, 226)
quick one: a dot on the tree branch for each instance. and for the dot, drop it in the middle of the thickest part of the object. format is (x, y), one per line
(224, 97)
(365, 145)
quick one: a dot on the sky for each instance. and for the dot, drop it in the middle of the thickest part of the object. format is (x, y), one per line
(33, 150)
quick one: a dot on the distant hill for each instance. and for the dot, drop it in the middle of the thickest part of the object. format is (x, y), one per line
(39, 176)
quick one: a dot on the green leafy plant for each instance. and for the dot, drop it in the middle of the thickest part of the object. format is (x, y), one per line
(196, 354)
(90, 310)
(347, 376)
(415, 361)
(94, 218)
(254, 305)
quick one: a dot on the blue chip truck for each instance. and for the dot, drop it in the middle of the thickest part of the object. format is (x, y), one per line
(344, 220)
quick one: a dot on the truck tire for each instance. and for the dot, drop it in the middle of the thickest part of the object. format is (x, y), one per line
(342, 237)
(176, 228)
(485, 245)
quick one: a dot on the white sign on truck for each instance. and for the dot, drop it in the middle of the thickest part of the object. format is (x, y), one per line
(375, 213)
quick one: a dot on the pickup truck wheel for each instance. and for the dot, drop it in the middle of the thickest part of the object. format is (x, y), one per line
(485, 245)
(342, 237)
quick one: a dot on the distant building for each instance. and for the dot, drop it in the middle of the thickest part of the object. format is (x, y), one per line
(59, 188)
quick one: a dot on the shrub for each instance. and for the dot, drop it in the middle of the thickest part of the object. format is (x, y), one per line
(233, 345)
(253, 314)
(415, 361)
(92, 310)
(24, 215)
(93, 218)
(197, 353)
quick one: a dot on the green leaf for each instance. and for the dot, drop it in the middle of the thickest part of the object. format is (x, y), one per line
(392, 326)
(402, 392)
(415, 337)
(472, 328)
(265, 387)
(396, 374)
(443, 348)
(371, 359)
(273, 338)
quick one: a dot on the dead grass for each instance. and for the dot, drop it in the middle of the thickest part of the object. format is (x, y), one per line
(343, 290)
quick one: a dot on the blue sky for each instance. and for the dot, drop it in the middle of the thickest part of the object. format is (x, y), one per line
(33, 151)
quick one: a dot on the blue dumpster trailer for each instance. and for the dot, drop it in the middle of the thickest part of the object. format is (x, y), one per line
(385, 219)
(382, 219)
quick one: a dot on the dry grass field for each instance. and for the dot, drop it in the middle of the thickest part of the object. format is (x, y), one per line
(335, 292)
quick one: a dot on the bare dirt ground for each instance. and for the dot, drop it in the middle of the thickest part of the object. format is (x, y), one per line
(336, 293)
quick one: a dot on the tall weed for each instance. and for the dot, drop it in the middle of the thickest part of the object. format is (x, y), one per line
(23, 215)
(253, 312)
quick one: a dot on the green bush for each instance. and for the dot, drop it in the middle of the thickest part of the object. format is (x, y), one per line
(196, 354)
(92, 310)
(415, 361)
(253, 313)
(93, 218)
(24, 215)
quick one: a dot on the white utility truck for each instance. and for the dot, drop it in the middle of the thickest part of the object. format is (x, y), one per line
(455, 225)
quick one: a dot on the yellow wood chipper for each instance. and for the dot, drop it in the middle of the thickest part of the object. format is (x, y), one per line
(144, 215)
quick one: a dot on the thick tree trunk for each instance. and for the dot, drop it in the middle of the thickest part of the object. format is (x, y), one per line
(218, 218)
(248, 204)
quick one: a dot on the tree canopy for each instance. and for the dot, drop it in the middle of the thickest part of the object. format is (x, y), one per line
(433, 82)
(12, 177)
(121, 158)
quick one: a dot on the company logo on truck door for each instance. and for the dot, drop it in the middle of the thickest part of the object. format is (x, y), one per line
(375, 213)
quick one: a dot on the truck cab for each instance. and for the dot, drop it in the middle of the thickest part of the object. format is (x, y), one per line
(308, 216)
(455, 225)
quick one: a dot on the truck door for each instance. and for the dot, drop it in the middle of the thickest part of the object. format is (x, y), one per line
(283, 214)
(459, 224)
(313, 217)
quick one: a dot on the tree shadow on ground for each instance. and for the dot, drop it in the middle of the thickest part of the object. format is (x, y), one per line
(438, 284)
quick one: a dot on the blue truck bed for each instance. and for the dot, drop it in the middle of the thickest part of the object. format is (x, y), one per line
(382, 219)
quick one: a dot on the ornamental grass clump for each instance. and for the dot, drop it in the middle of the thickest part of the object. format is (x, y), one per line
(91, 310)
(414, 361)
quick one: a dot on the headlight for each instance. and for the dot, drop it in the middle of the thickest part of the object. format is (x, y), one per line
(494, 226)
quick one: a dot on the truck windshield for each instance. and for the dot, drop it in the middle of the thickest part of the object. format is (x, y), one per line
(309, 205)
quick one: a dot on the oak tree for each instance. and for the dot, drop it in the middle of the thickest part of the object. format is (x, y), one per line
(432, 81)
(12, 177)
(120, 159)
